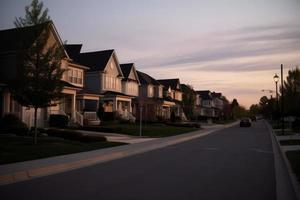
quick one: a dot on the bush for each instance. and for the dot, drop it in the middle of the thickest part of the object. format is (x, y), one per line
(296, 124)
(186, 124)
(76, 136)
(60, 121)
(109, 116)
(12, 124)
(101, 129)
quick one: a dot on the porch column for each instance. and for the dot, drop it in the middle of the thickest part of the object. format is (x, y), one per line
(115, 105)
(130, 108)
(6, 102)
(73, 106)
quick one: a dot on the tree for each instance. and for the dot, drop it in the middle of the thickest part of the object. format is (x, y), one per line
(38, 80)
(188, 100)
(34, 14)
(254, 109)
(291, 93)
(100, 112)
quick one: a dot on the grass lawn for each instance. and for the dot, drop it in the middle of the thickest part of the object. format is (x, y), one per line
(150, 130)
(294, 158)
(290, 142)
(18, 148)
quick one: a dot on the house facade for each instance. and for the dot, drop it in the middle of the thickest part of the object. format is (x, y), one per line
(72, 79)
(173, 93)
(106, 82)
(151, 104)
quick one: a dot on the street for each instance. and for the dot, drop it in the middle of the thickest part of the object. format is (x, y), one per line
(234, 163)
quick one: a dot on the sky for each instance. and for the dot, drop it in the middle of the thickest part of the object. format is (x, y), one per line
(229, 46)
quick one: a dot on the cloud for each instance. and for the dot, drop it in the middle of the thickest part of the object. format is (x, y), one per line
(248, 44)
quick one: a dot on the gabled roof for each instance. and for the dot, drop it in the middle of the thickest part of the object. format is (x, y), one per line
(126, 69)
(216, 95)
(172, 83)
(185, 87)
(145, 79)
(15, 39)
(73, 51)
(205, 94)
(96, 60)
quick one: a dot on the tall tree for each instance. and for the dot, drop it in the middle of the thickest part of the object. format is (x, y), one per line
(34, 14)
(38, 80)
(291, 92)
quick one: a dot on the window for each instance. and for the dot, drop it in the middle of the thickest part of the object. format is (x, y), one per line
(150, 91)
(75, 76)
(132, 88)
(112, 83)
(160, 92)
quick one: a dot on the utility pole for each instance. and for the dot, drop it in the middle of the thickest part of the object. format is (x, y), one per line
(282, 102)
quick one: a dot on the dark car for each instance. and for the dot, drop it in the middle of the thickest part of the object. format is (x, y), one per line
(245, 122)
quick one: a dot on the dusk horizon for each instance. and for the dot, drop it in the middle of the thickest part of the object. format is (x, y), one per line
(232, 47)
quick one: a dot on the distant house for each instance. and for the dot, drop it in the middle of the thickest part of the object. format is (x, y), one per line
(207, 111)
(130, 86)
(218, 105)
(150, 100)
(17, 39)
(106, 79)
(173, 93)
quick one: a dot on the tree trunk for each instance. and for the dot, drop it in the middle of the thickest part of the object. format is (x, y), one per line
(35, 125)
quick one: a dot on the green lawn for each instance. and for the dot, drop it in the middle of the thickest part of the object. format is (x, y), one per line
(294, 158)
(18, 148)
(290, 142)
(150, 130)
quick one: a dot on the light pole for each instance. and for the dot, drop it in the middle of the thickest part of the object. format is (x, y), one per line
(276, 79)
(282, 101)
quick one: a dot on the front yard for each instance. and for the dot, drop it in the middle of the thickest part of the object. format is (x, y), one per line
(150, 130)
(19, 148)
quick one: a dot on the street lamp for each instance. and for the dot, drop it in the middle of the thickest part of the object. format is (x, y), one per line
(276, 79)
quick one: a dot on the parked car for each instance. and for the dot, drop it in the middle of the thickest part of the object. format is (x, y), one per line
(245, 122)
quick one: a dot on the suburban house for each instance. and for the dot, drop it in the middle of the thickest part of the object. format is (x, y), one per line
(173, 93)
(218, 105)
(130, 84)
(151, 105)
(17, 39)
(206, 111)
(105, 78)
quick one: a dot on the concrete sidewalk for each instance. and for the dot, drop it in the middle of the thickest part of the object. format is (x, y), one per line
(22, 171)
(286, 184)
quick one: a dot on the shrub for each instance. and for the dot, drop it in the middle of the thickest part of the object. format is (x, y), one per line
(12, 124)
(296, 124)
(76, 136)
(60, 121)
(109, 116)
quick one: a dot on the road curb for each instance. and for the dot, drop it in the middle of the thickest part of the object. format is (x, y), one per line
(287, 187)
(103, 156)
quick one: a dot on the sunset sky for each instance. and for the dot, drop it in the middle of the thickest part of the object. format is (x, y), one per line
(229, 46)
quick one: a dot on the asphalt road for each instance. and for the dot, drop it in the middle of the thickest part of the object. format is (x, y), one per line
(235, 163)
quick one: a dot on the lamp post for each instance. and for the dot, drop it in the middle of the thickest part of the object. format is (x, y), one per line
(282, 101)
(276, 79)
